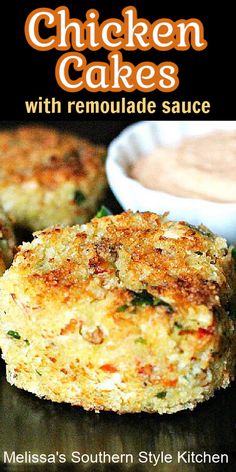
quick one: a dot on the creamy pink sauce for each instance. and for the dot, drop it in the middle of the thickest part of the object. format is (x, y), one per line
(200, 167)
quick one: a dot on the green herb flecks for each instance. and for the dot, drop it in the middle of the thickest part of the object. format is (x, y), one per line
(233, 253)
(27, 342)
(161, 394)
(39, 373)
(203, 231)
(14, 334)
(186, 378)
(3, 244)
(178, 325)
(79, 197)
(122, 308)
(168, 307)
(199, 253)
(140, 340)
(104, 211)
(144, 298)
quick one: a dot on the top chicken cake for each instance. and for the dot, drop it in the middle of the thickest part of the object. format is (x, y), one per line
(127, 313)
(49, 177)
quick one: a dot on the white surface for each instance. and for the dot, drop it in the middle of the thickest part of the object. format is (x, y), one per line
(137, 141)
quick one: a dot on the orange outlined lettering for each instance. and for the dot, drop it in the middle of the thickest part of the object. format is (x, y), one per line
(130, 34)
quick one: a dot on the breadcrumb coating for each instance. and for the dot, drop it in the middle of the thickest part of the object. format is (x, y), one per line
(127, 313)
(49, 177)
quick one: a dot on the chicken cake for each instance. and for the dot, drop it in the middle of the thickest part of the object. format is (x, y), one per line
(127, 313)
(49, 177)
(7, 242)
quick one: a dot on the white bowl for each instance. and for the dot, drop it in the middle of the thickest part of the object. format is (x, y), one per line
(139, 140)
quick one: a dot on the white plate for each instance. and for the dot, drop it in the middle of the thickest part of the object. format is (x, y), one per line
(139, 140)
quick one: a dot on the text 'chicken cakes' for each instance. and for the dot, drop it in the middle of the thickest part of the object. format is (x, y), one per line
(7, 242)
(126, 313)
(49, 177)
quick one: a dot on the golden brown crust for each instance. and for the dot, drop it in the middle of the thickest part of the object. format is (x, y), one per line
(45, 168)
(186, 265)
(47, 156)
(127, 313)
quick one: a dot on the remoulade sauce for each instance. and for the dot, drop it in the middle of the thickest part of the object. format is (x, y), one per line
(200, 167)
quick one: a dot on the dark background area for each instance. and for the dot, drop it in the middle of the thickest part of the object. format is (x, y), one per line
(27, 74)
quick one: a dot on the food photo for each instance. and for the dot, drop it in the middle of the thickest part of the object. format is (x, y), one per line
(118, 284)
